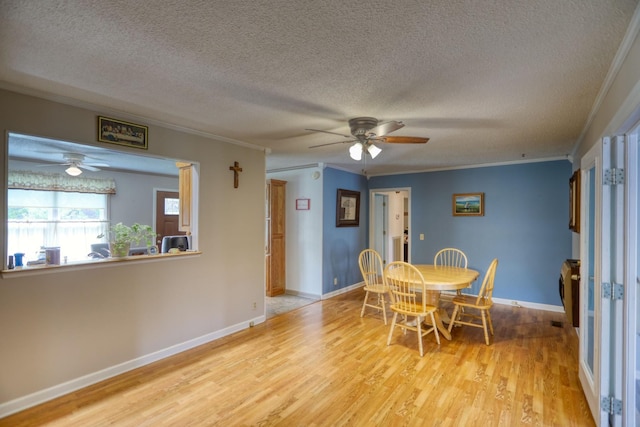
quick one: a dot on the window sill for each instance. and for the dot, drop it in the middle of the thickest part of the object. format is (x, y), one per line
(94, 263)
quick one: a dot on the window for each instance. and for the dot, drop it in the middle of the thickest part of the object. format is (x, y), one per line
(67, 220)
(171, 206)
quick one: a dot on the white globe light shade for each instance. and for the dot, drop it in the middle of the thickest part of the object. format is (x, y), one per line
(356, 151)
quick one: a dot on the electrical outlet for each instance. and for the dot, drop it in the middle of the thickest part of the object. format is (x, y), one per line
(421, 236)
(255, 306)
(335, 281)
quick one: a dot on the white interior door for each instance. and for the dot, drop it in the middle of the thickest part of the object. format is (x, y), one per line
(590, 310)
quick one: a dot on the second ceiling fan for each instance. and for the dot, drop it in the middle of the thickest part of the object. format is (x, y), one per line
(365, 131)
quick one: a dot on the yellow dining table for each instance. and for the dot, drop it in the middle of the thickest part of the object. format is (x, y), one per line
(439, 278)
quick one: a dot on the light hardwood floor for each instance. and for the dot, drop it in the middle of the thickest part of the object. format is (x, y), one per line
(323, 365)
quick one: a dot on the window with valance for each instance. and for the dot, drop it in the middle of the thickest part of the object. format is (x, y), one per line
(54, 210)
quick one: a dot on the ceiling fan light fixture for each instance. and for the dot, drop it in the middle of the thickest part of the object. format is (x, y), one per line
(73, 170)
(373, 150)
(355, 151)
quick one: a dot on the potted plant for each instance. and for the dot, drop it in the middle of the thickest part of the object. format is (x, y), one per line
(122, 237)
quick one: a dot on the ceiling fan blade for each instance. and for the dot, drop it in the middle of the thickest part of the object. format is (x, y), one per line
(51, 164)
(331, 133)
(87, 167)
(385, 128)
(405, 140)
(333, 143)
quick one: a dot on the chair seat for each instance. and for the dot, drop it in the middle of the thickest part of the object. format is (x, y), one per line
(377, 287)
(413, 309)
(471, 301)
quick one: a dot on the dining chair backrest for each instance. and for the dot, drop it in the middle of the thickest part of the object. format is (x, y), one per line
(407, 287)
(371, 267)
(486, 291)
(450, 256)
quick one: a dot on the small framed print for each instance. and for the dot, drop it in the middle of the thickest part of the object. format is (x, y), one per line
(468, 204)
(303, 204)
(119, 132)
(348, 208)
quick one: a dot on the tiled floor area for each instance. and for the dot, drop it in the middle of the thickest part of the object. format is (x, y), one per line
(284, 303)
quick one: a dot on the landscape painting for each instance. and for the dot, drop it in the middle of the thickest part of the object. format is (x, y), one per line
(468, 204)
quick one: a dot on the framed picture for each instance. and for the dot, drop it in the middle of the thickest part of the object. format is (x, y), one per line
(574, 202)
(303, 204)
(348, 208)
(122, 133)
(468, 204)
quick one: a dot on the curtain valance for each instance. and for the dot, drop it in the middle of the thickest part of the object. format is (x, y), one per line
(29, 180)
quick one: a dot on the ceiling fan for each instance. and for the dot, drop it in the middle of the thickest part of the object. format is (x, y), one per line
(76, 163)
(367, 130)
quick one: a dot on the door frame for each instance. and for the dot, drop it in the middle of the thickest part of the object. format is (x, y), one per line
(631, 372)
(380, 225)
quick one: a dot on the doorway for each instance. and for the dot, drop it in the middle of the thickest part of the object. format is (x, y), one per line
(390, 221)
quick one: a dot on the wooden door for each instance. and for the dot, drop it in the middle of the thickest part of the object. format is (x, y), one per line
(275, 257)
(167, 209)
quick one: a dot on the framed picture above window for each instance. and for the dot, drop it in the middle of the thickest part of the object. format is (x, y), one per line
(122, 133)
(348, 208)
(468, 204)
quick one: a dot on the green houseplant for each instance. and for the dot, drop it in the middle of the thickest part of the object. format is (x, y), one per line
(122, 237)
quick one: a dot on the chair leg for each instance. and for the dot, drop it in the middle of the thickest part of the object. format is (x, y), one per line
(490, 322)
(453, 318)
(419, 330)
(484, 326)
(364, 304)
(393, 325)
(435, 328)
(384, 307)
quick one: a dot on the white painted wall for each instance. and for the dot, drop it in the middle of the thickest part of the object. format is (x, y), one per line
(303, 231)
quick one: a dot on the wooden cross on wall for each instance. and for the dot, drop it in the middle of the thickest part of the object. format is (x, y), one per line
(236, 170)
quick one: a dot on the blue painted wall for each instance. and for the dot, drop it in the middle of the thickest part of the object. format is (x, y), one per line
(525, 224)
(342, 245)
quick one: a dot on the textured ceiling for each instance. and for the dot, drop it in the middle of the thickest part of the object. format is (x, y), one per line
(486, 81)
